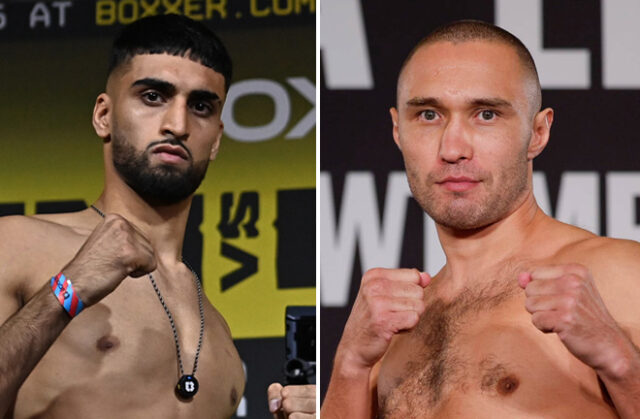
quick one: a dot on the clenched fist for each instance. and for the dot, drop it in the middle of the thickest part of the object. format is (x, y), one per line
(563, 299)
(114, 250)
(292, 402)
(389, 301)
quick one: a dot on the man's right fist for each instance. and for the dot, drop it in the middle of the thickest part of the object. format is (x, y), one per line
(114, 250)
(389, 301)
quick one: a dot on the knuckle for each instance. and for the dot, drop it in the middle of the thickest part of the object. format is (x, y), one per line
(579, 269)
(530, 303)
(570, 303)
(371, 274)
(286, 392)
(373, 287)
(572, 281)
(288, 405)
(416, 292)
(116, 221)
(413, 318)
(567, 318)
(273, 388)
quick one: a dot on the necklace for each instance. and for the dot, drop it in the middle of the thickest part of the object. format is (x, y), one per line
(187, 386)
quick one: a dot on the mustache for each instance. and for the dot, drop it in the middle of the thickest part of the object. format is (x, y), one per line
(173, 142)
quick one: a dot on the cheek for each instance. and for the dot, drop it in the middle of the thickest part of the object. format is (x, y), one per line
(418, 146)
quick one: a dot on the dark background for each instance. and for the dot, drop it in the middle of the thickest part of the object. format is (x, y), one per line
(594, 129)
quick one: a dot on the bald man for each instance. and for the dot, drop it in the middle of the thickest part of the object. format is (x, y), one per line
(529, 317)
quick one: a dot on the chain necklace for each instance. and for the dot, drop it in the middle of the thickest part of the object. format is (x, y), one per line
(187, 386)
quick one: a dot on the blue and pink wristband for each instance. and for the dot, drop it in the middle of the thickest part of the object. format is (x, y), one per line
(63, 290)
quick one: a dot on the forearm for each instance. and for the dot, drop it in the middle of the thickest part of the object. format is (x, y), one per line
(25, 338)
(621, 377)
(349, 394)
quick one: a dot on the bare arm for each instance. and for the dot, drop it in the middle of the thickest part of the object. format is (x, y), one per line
(587, 305)
(389, 301)
(26, 336)
(351, 392)
(29, 331)
(622, 379)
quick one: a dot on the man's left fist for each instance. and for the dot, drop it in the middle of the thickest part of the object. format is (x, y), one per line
(563, 299)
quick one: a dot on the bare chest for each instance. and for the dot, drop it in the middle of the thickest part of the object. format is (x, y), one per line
(481, 350)
(121, 353)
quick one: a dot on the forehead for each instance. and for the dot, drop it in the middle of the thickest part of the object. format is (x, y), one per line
(186, 74)
(464, 70)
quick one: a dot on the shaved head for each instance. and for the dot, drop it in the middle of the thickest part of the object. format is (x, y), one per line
(475, 30)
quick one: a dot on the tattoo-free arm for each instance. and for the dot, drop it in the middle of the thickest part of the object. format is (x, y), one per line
(622, 379)
(351, 393)
(24, 339)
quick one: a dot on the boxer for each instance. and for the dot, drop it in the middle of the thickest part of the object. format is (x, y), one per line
(529, 317)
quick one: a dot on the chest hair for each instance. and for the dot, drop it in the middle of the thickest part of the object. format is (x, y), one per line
(435, 363)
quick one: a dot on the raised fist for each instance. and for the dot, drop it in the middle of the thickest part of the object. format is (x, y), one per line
(114, 250)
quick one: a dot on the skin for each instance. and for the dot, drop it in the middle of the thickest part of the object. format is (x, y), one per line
(118, 354)
(538, 316)
(292, 402)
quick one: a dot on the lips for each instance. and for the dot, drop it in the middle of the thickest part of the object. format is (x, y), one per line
(171, 150)
(458, 183)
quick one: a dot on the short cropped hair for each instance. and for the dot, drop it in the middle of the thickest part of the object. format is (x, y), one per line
(477, 30)
(175, 35)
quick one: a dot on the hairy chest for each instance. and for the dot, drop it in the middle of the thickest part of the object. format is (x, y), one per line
(425, 362)
(480, 346)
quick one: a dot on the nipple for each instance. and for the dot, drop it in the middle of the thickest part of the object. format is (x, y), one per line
(107, 343)
(234, 396)
(507, 385)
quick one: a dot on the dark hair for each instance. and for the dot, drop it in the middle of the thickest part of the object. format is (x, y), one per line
(477, 30)
(171, 34)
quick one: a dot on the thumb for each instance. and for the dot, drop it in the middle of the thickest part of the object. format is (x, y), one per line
(274, 397)
(425, 278)
(523, 279)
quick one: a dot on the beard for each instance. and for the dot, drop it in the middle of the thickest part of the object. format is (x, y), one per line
(157, 185)
(474, 209)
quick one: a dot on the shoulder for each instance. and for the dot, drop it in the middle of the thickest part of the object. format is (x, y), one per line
(25, 239)
(614, 265)
(18, 230)
(600, 253)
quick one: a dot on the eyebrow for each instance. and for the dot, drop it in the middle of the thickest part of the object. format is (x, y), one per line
(170, 89)
(493, 102)
(204, 95)
(157, 84)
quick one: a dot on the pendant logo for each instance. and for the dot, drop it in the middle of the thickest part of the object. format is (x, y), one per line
(187, 387)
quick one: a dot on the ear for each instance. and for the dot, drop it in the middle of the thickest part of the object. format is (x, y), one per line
(394, 120)
(540, 136)
(216, 143)
(101, 116)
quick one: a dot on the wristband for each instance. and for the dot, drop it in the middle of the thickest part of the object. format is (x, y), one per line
(63, 290)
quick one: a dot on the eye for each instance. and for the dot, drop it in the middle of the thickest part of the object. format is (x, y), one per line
(202, 108)
(429, 114)
(151, 97)
(487, 115)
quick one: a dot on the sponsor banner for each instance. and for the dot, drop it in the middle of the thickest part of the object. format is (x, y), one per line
(251, 231)
(588, 175)
(30, 19)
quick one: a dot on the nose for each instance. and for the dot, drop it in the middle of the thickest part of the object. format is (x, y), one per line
(455, 144)
(175, 121)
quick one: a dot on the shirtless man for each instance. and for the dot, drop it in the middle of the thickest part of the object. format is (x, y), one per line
(529, 317)
(159, 120)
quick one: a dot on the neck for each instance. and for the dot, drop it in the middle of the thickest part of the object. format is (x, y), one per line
(470, 252)
(164, 226)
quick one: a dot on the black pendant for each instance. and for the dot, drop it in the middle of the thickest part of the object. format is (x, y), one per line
(187, 387)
